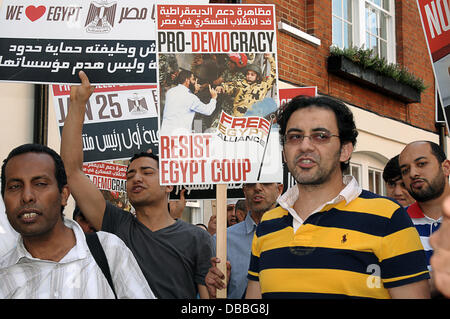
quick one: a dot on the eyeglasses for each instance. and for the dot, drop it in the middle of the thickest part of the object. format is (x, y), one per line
(315, 138)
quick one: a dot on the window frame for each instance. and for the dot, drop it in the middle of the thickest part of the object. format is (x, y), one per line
(379, 172)
(359, 26)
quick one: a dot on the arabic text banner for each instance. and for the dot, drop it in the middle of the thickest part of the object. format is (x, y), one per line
(50, 41)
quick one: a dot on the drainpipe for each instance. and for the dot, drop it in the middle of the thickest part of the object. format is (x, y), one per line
(40, 121)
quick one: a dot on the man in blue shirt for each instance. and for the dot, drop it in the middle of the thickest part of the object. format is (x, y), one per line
(260, 198)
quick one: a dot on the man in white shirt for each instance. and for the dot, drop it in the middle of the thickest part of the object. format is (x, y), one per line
(52, 259)
(182, 104)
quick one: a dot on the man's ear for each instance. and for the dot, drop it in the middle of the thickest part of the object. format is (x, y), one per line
(346, 152)
(446, 167)
(65, 193)
(280, 187)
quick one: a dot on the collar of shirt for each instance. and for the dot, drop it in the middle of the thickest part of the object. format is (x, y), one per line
(414, 211)
(182, 87)
(250, 224)
(79, 251)
(350, 192)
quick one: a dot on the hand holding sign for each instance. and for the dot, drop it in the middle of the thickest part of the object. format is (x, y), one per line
(215, 278)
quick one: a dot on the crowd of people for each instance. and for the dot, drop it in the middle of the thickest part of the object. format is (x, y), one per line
(211, 83)
(325, 237)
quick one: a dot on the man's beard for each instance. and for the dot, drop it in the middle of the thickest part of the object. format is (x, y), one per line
(264, 207)
(322, 175)
(431, 191)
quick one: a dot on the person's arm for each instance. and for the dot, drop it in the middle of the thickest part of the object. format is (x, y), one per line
(253, 290)
(267, 84)
(434, 292)
(202, 292)
(415, 290)
(404, 270)
(440, 260)
(212, 224)
(87, 196)
(253, 286)
(202, 108)
(204, 253)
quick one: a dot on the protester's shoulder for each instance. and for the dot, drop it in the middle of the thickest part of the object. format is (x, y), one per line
(111, 206)
(236, 228)
(115, 249)
(370, 203)
(110, 240)
(9, 258)
(275, 213)
(114, 210)
(196, 231)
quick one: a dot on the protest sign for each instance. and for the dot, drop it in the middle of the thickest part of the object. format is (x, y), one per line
(435, 17)
(120, 120)
(288, 94)
(49, 42)
(110, 178)
(218, 126)
(107, 176)
(234, 190)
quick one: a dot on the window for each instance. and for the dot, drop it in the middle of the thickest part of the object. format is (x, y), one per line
(342, 23)
(376, 26)
(355, 171)
(365, 23)
(367, 169)
(376, 184)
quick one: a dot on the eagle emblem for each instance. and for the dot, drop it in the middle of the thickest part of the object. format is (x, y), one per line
(100, 18)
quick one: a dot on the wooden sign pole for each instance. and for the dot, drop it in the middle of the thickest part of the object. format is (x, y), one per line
(221, 233)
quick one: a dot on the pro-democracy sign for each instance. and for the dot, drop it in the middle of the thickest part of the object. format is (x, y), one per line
(218, 94)
(50, 41)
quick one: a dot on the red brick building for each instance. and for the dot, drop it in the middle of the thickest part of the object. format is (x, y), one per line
(392, 28)
(306, 64)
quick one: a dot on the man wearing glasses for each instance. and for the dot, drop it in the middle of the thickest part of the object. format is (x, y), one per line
(329, 238)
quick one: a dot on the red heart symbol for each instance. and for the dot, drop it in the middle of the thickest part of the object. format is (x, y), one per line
(33, 13)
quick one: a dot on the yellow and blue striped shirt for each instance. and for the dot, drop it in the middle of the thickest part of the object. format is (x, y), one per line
(356, 248)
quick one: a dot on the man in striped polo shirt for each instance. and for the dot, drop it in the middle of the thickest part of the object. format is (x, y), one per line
(329, 238)
(425, 170)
